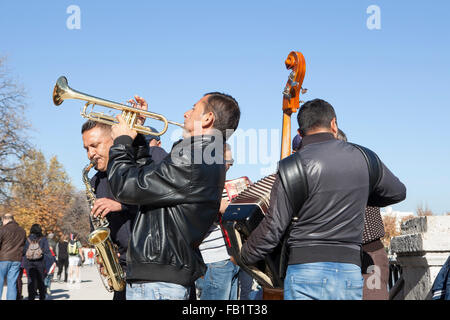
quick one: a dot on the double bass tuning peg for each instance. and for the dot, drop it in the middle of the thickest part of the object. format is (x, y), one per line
(304, 90)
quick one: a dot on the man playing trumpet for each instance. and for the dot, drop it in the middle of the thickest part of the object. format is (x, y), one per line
(179, 198)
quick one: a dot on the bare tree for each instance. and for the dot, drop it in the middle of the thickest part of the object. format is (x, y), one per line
(14, 143)
(424, 212)
(76, 218)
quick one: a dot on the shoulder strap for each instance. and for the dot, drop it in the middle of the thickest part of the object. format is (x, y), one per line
(374, 165)
(293, 178)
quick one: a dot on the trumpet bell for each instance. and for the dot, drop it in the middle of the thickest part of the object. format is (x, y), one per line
(62, 91)
(61, 87)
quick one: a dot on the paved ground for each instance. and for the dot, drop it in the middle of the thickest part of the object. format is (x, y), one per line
(90, 288)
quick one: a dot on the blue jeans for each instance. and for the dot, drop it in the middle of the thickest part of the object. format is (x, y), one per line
(220, 281)
(248, 289)
(10, 270)
(323, 281)
(156, 291)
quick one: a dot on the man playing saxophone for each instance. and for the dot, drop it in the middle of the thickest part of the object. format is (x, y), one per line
(97, 141)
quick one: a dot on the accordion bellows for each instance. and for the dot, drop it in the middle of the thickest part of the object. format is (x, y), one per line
(242, 216)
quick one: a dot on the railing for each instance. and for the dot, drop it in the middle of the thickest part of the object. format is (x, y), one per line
(396, 281)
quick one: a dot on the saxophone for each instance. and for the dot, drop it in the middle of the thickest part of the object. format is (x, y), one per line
(112, 275)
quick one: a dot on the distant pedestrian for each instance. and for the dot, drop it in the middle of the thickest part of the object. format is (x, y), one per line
(62, 256)
(12, 241)
(75, 259)
(50, 269)
(90, 256)
(35, 260)
(51, 241)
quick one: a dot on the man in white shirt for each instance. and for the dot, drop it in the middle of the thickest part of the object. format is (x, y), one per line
(221, 279)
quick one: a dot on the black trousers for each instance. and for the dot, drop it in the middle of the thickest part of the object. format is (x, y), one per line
(63, 263)
(36, 283)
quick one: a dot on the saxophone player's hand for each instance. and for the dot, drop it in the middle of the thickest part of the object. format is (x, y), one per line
(103, 206)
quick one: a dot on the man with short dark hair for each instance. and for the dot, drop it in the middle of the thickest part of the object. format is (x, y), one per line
(12, 242)
(324, 242)
(179, 198)
(97, 142)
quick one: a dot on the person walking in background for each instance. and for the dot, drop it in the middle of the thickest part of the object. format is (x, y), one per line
(90, 256)
(50, 266)
(36, 254)
(51, 241)
(12, 242)
(74, 250)
(62, 256)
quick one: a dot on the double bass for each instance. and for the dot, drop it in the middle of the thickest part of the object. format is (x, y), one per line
(247, 210)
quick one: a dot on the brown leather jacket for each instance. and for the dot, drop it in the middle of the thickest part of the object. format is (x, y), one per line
(12, 241)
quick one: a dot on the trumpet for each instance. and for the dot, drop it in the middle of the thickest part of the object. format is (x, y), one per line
(62, 92)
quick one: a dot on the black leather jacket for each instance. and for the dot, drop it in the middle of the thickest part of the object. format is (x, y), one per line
(179, 199)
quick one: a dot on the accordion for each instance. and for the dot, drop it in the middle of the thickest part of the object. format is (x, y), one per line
(236, 186)
(241, 217)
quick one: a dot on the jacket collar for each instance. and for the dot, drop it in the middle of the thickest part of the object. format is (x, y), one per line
(188, 150)
(316, 138)
(197, 140)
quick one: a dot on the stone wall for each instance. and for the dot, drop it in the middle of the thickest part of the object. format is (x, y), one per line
(421, 249)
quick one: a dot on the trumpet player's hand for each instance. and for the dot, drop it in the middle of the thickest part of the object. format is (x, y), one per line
(139, 103)
(103, 206)
(121, 129)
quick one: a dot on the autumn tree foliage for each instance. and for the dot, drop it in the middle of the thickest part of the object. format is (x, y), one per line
(42, 193)
(390, 229)
(392, 224)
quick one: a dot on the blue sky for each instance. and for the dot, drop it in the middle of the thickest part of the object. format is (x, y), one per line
(390, 87)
